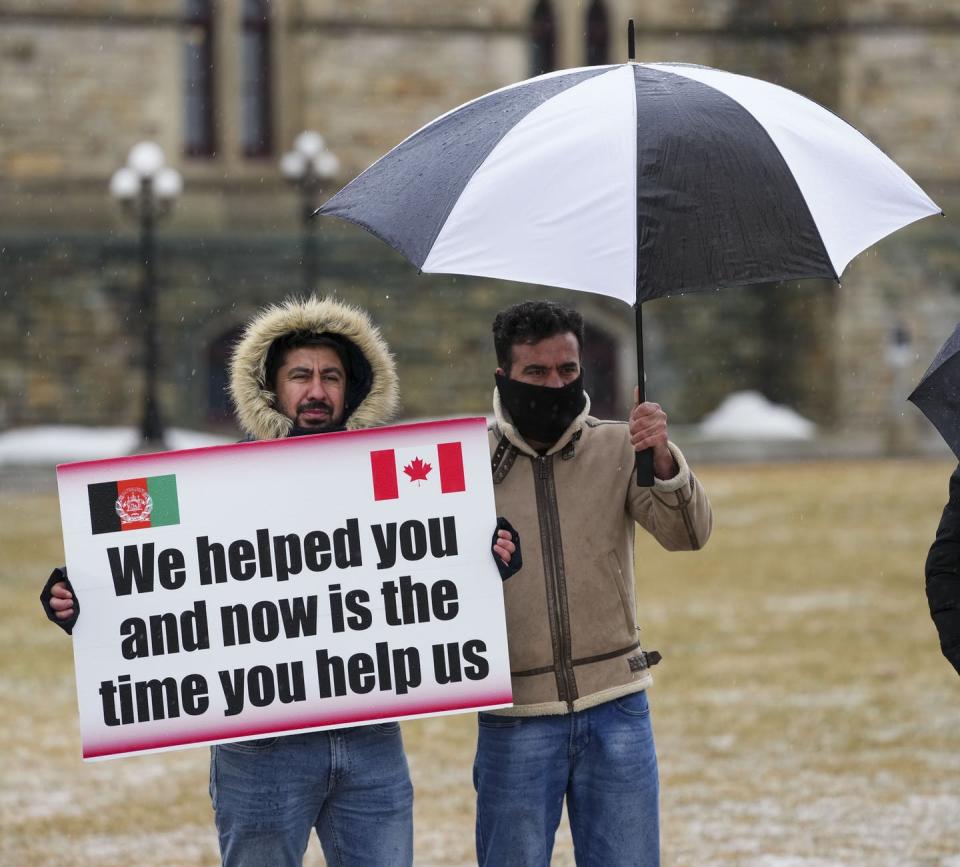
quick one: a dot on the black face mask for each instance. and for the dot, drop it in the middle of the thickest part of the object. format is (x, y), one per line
(539, 413)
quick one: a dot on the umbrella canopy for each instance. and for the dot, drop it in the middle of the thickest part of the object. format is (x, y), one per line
(634, 181)
(937, 395)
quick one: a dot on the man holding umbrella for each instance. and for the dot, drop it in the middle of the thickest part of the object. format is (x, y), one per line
(579, 728)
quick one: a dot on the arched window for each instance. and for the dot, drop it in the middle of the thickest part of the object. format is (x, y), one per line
(598, 34)
(543, 39)
(199, 128)
(256, 125)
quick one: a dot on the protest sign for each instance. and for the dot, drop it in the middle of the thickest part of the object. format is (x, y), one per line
(261, 588)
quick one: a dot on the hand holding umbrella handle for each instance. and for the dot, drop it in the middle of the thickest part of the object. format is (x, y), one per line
(643, 460)
(643, 463)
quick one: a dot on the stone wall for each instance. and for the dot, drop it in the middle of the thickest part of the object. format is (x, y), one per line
(899, 86)
(72, 335)
(85, 79)
(76, 93)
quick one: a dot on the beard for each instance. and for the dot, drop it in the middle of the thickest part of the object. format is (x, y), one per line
(316, 425)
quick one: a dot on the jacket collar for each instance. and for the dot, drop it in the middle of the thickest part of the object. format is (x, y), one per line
(510, 431)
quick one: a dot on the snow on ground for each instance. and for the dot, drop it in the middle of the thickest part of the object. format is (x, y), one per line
(46, 445)
(57, 444)
(749, 415)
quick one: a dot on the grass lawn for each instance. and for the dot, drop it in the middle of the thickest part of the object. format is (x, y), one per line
(803, 713)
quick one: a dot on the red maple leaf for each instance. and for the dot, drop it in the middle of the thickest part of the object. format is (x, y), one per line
(417, 470)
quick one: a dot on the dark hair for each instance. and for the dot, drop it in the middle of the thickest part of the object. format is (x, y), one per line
(530, 322)
(280, 348)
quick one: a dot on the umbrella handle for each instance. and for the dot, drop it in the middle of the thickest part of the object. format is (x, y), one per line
(643, 463)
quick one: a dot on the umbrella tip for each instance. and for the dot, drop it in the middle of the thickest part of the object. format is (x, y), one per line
(631, 44)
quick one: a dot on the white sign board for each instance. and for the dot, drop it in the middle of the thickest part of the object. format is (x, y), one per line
(263, 588)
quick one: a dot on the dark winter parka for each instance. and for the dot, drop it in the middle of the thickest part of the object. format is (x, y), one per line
(943, 576)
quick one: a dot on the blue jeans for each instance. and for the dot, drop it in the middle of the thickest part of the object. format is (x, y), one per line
(601, 759)
(351, 784)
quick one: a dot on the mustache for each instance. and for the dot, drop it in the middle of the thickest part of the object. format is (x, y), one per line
(308, 405)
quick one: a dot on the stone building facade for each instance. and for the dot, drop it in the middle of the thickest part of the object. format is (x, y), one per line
(225, 86)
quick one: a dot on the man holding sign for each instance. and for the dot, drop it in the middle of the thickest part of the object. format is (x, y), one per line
(302, 367)
(579, 729)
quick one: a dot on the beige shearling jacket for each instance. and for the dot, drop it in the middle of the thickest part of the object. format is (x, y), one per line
(571, 609)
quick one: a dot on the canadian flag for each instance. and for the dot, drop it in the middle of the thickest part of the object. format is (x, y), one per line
(432, 467)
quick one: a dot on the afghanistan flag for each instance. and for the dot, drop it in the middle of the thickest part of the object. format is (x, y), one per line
(133, 504)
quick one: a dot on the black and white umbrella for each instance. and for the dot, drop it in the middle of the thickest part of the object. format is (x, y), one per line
(637, 181)
(937, 395)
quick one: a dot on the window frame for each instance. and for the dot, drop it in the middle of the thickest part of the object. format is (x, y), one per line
(256, 92)
(199, 15)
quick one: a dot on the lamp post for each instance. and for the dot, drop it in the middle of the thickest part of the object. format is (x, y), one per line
(146, 188)
(309, 166)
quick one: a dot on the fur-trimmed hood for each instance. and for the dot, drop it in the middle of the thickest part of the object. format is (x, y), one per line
(252, 398)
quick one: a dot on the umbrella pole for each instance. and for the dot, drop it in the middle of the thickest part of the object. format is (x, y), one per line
(643, 462)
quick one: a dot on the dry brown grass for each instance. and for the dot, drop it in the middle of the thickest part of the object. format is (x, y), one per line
(803, 714)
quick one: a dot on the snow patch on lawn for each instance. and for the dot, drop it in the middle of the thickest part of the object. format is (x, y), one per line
(749, 415)
(58, 444)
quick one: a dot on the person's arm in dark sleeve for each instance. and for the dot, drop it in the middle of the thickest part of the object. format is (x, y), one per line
(59, 602)
(943, 576)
